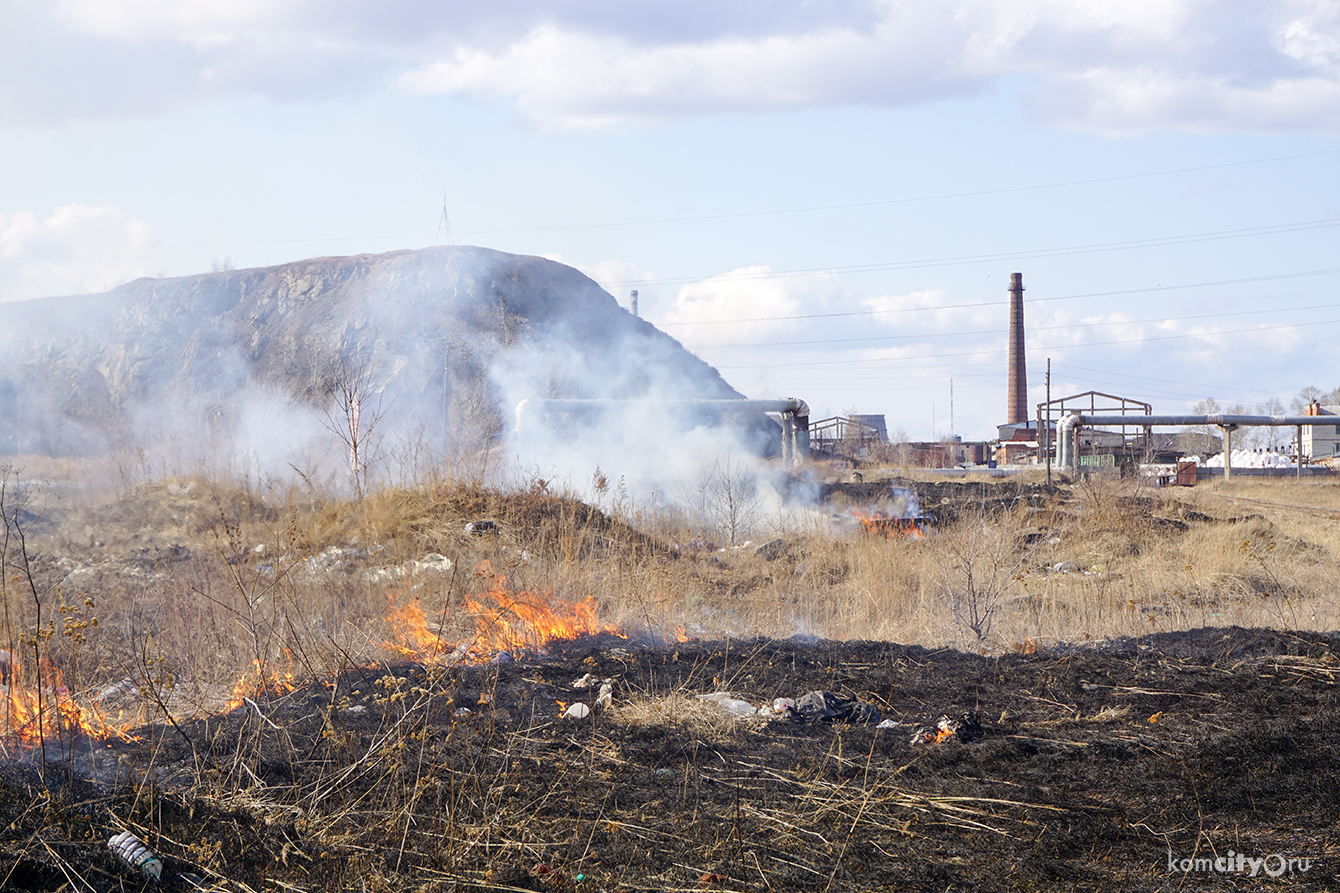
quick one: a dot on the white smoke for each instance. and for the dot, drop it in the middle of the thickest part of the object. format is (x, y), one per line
(241, 370)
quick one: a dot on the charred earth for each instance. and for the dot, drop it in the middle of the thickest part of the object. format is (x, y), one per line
(1098, 768)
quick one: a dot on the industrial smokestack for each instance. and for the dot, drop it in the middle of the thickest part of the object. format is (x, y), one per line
(632, 301)
(1018, 378)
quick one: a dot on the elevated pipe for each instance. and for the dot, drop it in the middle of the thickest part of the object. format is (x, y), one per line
(1071, 422)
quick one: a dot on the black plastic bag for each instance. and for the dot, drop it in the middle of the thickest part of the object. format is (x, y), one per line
(824, 706)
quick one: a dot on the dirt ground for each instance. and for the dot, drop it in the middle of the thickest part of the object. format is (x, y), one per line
(1202, 760)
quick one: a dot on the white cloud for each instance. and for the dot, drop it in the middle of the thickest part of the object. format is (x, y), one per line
(931, 311)
(563, 78)
(749, 305)
(198, 22)
(1093, 64)
(619, 277)
(79, 248)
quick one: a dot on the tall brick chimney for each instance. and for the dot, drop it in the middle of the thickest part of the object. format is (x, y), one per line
(1017, 385)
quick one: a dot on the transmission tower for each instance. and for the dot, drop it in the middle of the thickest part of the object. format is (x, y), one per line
(444, 223)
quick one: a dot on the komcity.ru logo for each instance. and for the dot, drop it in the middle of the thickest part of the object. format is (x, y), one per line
(1273, 865)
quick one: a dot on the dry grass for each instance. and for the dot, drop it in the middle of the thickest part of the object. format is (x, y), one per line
(196, 582)
(199, 583)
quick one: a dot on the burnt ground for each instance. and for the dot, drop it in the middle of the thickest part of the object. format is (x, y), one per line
(1097, 766)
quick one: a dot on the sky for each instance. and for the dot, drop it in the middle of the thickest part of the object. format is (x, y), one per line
(825, 200)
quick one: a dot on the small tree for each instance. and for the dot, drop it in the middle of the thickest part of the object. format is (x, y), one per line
(353, 415)
(981, 563)
(727, 497)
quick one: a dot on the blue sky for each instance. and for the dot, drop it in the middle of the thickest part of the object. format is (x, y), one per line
(824, 200)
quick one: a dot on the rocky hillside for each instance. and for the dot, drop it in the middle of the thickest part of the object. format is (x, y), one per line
(447, 339)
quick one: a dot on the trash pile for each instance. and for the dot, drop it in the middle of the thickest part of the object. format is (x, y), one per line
(966, 728)
(827, 707)
(814, 707)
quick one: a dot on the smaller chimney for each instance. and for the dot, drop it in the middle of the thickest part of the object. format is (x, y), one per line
(632, 301)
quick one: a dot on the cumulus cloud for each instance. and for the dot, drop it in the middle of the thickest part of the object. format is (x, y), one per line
(563, 78)
(749, 305)
(79, 248)
(619, 277)
(1144, 64)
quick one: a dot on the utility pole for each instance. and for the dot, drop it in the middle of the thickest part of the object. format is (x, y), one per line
(1046, 436)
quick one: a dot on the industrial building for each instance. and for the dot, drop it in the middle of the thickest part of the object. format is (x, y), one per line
(1321, 443)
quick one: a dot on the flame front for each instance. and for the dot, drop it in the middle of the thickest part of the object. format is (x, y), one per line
(889, 526)
(47, 711)
(528, 620)
(504, 621)
(259, 681)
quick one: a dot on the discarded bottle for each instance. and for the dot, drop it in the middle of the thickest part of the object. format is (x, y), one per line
(130, 850)
(732, 705)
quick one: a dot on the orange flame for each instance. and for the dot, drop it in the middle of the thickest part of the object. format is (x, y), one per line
(504, 621)
(47, 711)
(411, 628)
(890, 528)
(258, 682)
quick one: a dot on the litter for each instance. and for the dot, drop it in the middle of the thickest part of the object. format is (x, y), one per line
(731, 704)
(824, 706)
(130, 850)
(577, 711)
(967, 727)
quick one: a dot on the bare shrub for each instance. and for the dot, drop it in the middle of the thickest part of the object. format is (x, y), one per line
(981, 560)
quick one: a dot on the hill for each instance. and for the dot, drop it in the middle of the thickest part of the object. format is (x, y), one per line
(441, 342)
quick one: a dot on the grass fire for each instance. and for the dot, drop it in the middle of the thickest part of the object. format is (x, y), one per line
(247, 688)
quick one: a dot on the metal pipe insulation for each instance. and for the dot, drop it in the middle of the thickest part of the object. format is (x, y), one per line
(1071, 422)
(1220, 419)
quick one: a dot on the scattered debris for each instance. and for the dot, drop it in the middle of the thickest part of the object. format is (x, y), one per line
(824, 706)
(480, 528)
(577, 711)
(967, 727)
(731, 704)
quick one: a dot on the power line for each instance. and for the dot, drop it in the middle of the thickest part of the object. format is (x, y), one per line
(990, 351)
(1274, 311)
(938, 307)
(1187, 384)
